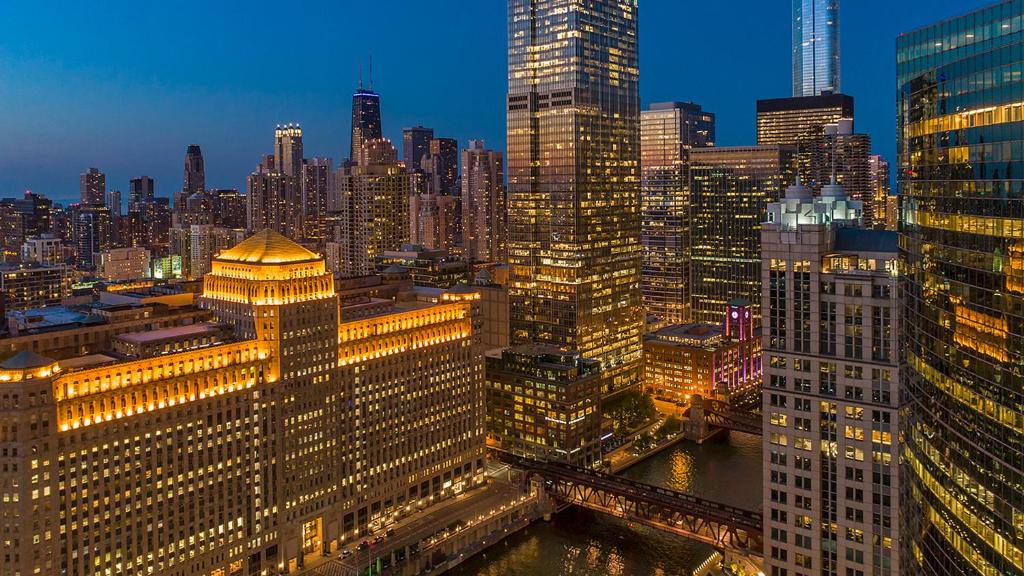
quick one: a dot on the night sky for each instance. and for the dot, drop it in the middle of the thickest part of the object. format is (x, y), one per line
(125, 86)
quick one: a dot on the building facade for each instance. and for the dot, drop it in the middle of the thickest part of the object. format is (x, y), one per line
(960, 116)
(365, 119)
(714, 360)
(544, 403)
(253, 452)
(573, 114)
(815, 47)
(415, 145)
(484, 209)
(33, 286)
(730, 189)
(92, 187)
(118, 264)
(830, 400)
(668, 130)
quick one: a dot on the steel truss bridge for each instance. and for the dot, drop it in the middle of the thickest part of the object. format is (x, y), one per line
(720, 414)
(720, 525)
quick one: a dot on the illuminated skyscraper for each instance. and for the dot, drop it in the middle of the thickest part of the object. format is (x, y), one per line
(92, 185)
(960, 117)
(444, 159)
(484, 212)
(815, 47)
(415, 144)
(830, 333)
(365, 119)
(667, 132)
(574, 194)
(195, 171)
(139, 190)
(842, 154)
(317, 185)
(730, 188)
(288, 150)
(883, 202)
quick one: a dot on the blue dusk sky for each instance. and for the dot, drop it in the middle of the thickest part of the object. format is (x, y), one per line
(126, 86)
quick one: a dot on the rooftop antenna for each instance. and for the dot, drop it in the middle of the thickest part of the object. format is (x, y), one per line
(360, 77)
(371, 72)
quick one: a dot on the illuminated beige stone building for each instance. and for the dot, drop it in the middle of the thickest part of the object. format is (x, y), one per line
(248, 455)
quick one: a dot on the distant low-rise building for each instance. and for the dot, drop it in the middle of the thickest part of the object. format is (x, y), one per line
(544, 403)
(713, 360)
(427, 267)
(25, 286)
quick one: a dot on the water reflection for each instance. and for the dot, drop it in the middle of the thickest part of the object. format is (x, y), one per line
(581, 543)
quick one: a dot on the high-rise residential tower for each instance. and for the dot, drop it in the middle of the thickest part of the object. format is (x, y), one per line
(668, 130)
(444, 163)
(484, 212)
(815, 47)
(960, 120)
(415, 144)
(830, 397)
(288, 150)
(365, 119)
(317, 186)
(92, 187)
(730, 189)
(139, 190)
(573, 169)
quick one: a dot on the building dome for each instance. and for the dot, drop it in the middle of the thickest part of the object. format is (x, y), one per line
(267, 247)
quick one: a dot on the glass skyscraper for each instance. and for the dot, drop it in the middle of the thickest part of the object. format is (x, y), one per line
(573, 180)
(815, 47)
(961, 165)
(365, 119)
(668, 130)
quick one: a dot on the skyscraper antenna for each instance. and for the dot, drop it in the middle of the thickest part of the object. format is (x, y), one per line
(371, 72)
(360, 77)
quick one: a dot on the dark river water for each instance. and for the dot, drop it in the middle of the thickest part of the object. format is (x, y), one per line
(582, 543)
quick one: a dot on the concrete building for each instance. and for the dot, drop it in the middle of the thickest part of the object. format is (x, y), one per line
(92, 187)
(317, 187)
(484, 207)
(544, 403)
(119, 264)
(714, 360)
(373, 199)
(432, 221)
(25, 286)
(831, 394)
(254, 451)
(426, 267)
(44, 249)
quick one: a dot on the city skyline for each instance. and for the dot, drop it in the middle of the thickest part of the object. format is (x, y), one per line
(131, 108)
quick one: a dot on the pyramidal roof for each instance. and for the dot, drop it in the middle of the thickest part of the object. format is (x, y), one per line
(267, 247)
(25, 360)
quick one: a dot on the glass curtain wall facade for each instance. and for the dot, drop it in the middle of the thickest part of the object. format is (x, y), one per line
(730, 189)
(574, 189)
(815, 47)
(667, 132)
(961, 163)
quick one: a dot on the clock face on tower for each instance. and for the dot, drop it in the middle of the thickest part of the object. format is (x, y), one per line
(735, 314)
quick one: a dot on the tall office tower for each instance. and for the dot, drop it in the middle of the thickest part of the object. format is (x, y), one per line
(373, 198)
(12, 232)
(484, 212)
(290, 433)
(194, 180)
(815, 47)
(881, 196)
(317, 186)
(288, 150)
(801, 122)
(205, 242)
(960, 117)
(444, 155)
(831, 402)
(92, 187)
(730, 189)
(36, 212)
(668, 130)
(845, 156)
(573, 188)
(415, 145)
(365, 119)
(139, 190)
(195, 171)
